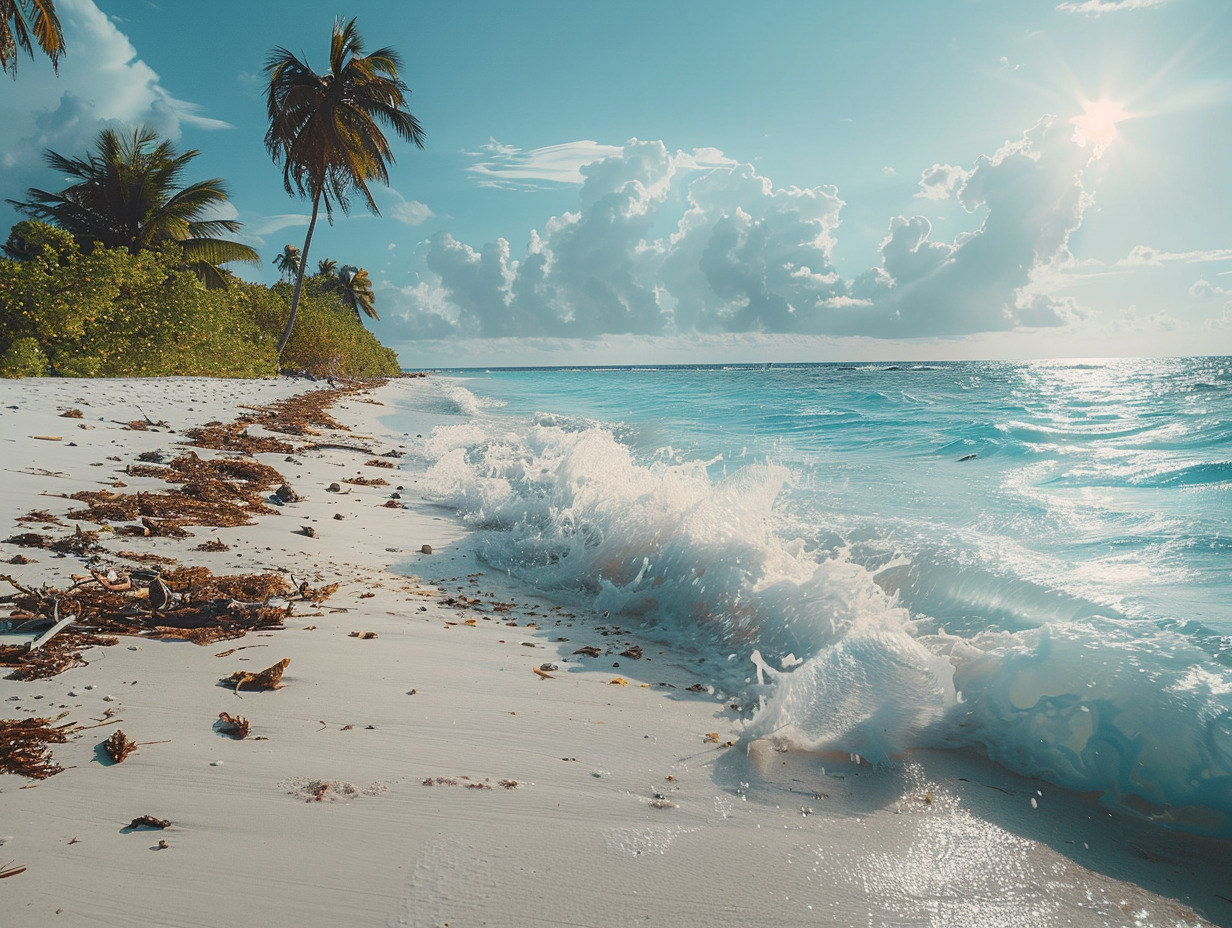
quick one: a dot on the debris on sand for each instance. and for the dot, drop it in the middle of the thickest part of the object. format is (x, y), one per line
(119, 746)
(148, 821)
(234, 725)
(24, 746)
(268, 679)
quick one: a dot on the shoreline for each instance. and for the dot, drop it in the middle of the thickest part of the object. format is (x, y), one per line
(430, 775)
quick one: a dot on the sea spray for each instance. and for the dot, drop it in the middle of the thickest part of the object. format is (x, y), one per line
(1058, 602)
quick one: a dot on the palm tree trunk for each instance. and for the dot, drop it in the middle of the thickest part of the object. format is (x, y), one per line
(299, 276)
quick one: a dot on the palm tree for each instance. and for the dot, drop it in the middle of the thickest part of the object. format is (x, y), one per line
(326, 267)
(127, 197)
(355, 290)
(287, 262)
(19, 19)
(324, 128)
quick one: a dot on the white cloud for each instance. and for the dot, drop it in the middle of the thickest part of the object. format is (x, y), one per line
(411, 212)
(101, 82)
(1145, 255)
(498, 165)
(268, 225)
(1203, 288)
(1133, 320)
(101, 68)
(666, 243)
(1099, 7)
(941, 181)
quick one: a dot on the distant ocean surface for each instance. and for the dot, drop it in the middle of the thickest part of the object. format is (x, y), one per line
(1032, 560)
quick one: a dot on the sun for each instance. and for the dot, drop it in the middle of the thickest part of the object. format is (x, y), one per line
(1097, 126)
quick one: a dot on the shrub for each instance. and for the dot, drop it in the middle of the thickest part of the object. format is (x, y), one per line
(112, 314)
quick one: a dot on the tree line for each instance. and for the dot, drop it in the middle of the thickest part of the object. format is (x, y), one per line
(128, 211)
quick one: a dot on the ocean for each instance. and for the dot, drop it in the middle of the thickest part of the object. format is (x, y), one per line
(1030, 560)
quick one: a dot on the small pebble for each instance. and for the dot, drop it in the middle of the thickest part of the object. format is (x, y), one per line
(109, 698)
(6, 839)
(216, 763)
(133, 647)
(599, 774)
(88, 686)
(73, 693)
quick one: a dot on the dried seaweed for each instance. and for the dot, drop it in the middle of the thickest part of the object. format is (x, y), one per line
(40, 515)
(212, 545)
(188, 603)
(268, 679)
(367, 481)
(234, 725)
(29, 540)
(317, 595)
(378, 462)
(24, 746)
(119, 746)
(183, 602)
(58, 655)
(148, 821)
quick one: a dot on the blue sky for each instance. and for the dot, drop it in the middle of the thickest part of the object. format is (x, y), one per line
(718, 181)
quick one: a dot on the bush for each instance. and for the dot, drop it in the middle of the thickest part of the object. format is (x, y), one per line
(113, 314)
(23, 358)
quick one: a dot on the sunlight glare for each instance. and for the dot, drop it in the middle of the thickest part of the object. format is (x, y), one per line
(1097, 126)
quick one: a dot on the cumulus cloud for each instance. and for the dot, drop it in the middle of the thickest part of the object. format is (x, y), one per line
(1134, 320)
(1203, 288)
(1099, 7)
(941, 181)
(668, 243)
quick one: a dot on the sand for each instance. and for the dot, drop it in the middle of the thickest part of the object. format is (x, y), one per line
(423, 774)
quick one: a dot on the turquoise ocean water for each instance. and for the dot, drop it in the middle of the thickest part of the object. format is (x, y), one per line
(1031, 560)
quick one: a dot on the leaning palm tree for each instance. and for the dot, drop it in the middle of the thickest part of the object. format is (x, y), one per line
(21, 19)
(355, 290)
(128, 195)
(287, 262)
(324, 128)
(327, 267)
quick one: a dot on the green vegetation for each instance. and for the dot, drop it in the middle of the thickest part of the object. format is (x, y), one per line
(109, 313)
(325, 129)
(121, 273)
(128, 195)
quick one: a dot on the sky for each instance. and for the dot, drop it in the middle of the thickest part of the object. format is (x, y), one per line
(701, 181)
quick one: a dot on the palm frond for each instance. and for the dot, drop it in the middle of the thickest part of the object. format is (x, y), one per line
(21, 19)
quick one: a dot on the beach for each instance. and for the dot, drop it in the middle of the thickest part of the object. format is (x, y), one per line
(440, 753)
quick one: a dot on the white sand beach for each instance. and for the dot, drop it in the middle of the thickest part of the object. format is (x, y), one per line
(440, 771)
